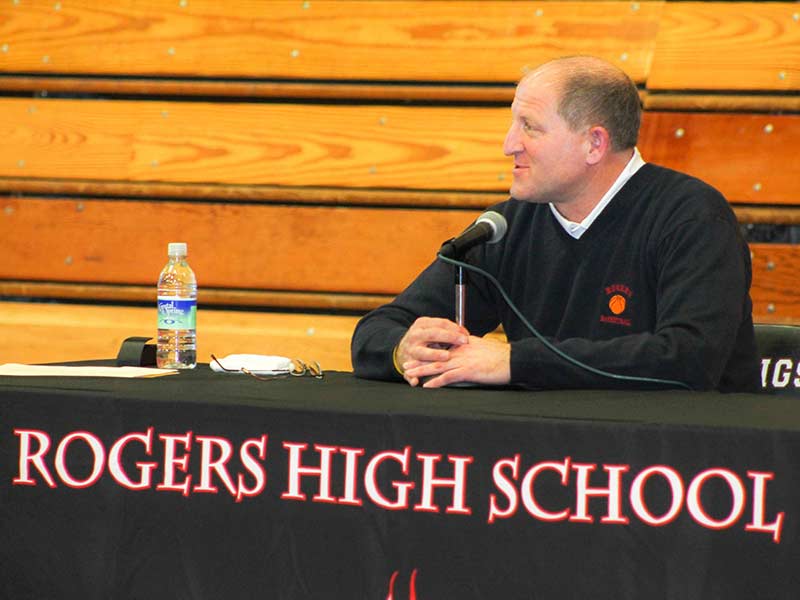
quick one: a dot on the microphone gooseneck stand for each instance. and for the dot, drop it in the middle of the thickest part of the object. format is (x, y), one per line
(461, 281)
(490, 228)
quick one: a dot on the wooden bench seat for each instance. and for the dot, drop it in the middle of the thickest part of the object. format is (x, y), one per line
(359, 146)
(51, 332)
(345, 258)
(236, 246)
(741, 56)
(727, 46)
(332, 40)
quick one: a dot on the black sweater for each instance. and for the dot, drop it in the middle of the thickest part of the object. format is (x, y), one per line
(657, 287)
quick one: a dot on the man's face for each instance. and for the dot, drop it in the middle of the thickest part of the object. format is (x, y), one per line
(549, 158)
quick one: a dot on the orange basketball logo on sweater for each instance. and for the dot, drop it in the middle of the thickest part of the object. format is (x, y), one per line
(617, 304)
(619, 296)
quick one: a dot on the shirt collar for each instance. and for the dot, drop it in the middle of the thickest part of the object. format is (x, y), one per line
(576, 230)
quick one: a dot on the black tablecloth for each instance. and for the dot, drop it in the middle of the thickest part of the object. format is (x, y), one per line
(706, 506)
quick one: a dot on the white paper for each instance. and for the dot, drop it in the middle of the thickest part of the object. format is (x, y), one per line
(19, 370)
(260, 364)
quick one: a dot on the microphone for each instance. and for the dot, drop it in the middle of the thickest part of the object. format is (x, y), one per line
(490, 227)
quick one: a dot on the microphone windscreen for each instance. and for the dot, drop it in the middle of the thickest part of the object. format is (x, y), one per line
(498, 224)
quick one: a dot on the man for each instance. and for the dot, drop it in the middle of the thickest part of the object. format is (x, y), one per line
(627, 267)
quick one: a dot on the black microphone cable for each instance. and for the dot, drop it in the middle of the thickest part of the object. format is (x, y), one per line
(547, 343)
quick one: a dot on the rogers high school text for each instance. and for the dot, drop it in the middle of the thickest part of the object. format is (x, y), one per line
(43, 462)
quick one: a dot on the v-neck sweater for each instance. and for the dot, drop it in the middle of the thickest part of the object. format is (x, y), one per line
(657, 287)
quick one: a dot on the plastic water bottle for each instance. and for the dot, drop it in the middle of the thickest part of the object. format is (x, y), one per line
(177, 312)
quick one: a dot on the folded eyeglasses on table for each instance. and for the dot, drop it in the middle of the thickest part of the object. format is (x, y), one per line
(266, 367)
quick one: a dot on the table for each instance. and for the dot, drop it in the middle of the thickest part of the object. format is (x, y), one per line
(204, 485)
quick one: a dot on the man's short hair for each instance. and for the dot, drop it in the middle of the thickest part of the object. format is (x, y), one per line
(594, 92)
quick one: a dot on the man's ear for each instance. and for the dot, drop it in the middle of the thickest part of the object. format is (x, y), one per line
(599, 142)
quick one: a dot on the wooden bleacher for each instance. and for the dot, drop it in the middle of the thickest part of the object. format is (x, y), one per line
(315, 154)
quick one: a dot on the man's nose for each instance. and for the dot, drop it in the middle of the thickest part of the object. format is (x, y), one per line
(511, 145)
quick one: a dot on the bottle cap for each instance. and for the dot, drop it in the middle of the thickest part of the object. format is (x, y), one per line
(176, 249)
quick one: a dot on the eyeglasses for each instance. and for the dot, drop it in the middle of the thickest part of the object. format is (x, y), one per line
(299, 369)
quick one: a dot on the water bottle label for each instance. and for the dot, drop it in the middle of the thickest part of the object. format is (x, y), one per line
(177, 313)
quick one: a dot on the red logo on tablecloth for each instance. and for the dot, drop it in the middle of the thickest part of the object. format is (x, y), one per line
(412, 586)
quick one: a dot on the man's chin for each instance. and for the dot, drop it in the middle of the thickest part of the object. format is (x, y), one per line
(523, 195)
(517, 192)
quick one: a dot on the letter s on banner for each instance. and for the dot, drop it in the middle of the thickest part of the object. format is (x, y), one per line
(253, 467)
(506, 487)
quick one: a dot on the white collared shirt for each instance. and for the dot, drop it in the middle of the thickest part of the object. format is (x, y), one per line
(576, 230)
